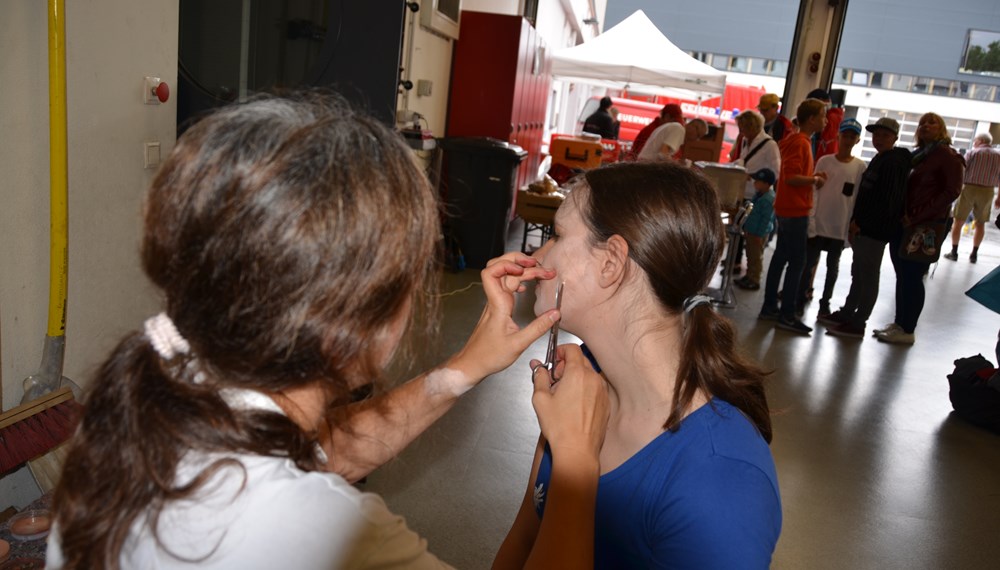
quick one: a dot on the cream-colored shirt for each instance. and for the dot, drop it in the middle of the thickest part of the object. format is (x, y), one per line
(264, 512)
(670, 135)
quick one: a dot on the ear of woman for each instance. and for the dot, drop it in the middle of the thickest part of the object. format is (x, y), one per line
(615, 262)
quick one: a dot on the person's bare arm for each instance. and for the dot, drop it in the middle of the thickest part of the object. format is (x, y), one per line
(520, 539)
(362, 436)
(667, 152)
(573, 415)
(802, 180)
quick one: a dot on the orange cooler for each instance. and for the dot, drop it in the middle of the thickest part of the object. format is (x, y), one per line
(576, 152)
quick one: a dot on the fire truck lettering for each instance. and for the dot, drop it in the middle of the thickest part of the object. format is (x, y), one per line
(629, 118)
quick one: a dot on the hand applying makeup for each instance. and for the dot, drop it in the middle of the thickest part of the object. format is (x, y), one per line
(497, 340)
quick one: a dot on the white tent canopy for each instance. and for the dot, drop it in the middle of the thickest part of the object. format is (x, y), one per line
(634, 55)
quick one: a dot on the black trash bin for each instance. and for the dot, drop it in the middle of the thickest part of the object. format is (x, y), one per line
(481, 173)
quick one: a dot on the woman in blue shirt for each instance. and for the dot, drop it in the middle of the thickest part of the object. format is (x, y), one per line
(686, 476)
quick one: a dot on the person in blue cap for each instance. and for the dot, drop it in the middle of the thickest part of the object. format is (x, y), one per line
(833, 205)
(759, 224)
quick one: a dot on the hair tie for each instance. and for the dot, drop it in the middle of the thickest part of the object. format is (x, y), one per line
(695, 300)
(164, 336)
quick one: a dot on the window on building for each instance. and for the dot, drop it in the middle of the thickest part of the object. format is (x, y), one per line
(738, 64)
(701, 56)
(859, 78)
(982, 53)
(779, 68)
(902, 82)
(941, 88)
(922, 85)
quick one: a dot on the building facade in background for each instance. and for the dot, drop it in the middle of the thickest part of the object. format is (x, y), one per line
(898, 58)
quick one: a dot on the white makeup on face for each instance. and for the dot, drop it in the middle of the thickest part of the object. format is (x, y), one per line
(571, 255)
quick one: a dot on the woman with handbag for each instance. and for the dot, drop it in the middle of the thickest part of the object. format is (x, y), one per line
(934, 183)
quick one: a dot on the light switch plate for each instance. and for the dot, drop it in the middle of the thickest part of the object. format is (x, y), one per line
(151, 154)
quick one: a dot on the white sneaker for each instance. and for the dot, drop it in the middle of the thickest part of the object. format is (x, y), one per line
(887, 329)
(897, 337)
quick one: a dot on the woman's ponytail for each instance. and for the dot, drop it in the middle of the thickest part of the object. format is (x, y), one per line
(712, 362)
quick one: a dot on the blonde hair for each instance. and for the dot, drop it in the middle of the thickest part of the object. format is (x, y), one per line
(750, 118)
(943, 136)
(808, 109)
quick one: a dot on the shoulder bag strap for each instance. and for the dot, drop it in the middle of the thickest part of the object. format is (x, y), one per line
(750, 154)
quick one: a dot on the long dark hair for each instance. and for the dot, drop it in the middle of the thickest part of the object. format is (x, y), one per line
(286, 234)
(669, 217)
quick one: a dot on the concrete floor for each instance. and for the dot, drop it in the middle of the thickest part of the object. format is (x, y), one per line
(875, 470)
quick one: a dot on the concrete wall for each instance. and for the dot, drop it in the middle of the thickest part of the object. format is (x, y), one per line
(111, 45)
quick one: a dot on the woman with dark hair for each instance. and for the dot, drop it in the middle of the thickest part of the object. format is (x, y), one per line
(293, 240)
(934, 183)
(686, 475)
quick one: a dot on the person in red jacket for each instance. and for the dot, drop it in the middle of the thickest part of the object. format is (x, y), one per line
(934, 183)
(825, 141)
(792, 204)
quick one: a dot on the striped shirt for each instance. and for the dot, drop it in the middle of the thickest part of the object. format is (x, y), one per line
(983, 166)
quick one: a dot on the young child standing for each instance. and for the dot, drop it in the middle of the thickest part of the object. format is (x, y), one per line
(759, 224)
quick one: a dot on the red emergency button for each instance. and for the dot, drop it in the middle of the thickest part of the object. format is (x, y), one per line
(162, 92)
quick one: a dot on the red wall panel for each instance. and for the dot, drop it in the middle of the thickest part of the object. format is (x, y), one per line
(500, 85)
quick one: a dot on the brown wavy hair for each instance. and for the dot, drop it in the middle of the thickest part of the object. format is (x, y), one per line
(286, 234)
(669, 217)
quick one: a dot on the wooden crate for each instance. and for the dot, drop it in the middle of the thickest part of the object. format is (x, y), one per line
(538, 208)
(707, 148)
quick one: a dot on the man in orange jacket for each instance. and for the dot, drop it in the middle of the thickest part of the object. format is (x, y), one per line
(792, 204)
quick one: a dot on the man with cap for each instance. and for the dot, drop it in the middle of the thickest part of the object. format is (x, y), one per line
(878, 214)
(833, 205)
(825, 142)
(670, 113)
(601, 122)
(775, 124)
(982, 175)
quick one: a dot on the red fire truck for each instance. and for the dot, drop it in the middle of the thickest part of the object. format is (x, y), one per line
(635, 111)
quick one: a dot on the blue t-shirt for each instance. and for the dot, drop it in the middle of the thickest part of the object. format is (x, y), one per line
(705, 496)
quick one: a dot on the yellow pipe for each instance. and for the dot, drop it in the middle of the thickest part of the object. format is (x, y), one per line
(58, 177)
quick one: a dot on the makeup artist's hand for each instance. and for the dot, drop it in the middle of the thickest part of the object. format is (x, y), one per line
(573, 412)
(497, 340)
